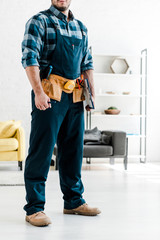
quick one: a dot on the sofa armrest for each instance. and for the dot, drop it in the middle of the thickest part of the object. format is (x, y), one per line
(20, 136)
(118, 141)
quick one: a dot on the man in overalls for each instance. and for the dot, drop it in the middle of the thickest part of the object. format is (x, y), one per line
(55, 38)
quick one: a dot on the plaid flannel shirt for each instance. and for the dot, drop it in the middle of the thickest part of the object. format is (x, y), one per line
(40, 39)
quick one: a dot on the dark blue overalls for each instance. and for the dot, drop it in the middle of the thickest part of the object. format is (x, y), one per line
(64, 124)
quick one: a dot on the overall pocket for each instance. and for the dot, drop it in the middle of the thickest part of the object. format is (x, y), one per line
(72, 57)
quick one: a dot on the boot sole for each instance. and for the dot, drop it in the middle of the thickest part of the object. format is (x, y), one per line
(40, 224)
(68, 211)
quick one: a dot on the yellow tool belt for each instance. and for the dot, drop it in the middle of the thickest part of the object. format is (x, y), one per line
(54, 86)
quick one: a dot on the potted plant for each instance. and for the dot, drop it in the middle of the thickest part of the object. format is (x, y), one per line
(112, 110)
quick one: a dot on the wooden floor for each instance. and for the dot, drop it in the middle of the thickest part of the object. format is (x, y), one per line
(129, 201)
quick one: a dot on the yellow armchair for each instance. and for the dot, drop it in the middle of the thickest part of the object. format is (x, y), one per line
(12, 142)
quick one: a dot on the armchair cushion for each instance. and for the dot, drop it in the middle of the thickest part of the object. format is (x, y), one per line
(8, 144)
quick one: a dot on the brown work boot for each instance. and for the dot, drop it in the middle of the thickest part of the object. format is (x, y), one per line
(83, 210)
(38, 219)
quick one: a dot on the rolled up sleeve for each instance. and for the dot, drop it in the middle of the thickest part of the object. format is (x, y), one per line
(32, 44)
(87, 61)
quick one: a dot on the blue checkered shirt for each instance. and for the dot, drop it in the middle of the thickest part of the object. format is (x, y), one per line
(40, 39)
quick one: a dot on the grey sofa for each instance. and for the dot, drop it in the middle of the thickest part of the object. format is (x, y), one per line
(103, 144)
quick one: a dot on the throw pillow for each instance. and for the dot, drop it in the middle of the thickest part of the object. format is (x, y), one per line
(4, 124)
(92, 135)
(10, 129)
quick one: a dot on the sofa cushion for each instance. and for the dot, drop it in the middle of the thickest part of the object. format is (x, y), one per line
(9, 129)
(8, 144)
(99, 151)
(93, 151)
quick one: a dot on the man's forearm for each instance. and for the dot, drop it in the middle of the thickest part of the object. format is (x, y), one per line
(34, 78)
(89, 75)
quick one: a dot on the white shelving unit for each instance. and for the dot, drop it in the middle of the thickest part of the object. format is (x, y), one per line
(133, 116)
(117, 95)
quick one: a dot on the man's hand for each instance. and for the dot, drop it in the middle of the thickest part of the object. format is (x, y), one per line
(42, 101)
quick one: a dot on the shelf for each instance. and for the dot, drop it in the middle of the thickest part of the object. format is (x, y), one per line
(136, 135)
(136, 156)
(123, 56)
(118, 75)
(115, 115)
(119, 95)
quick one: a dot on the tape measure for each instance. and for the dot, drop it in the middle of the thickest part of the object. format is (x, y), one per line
(70, 85)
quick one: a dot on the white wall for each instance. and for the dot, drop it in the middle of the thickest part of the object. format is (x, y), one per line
(115, 27)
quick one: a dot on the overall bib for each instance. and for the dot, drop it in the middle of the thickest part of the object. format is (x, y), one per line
(64, 124)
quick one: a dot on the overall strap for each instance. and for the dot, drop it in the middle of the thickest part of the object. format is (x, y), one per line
(55, 25)
(84, 32)
(47, 13)
(83, 29)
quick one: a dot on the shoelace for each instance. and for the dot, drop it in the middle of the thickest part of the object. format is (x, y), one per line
(36, 214)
